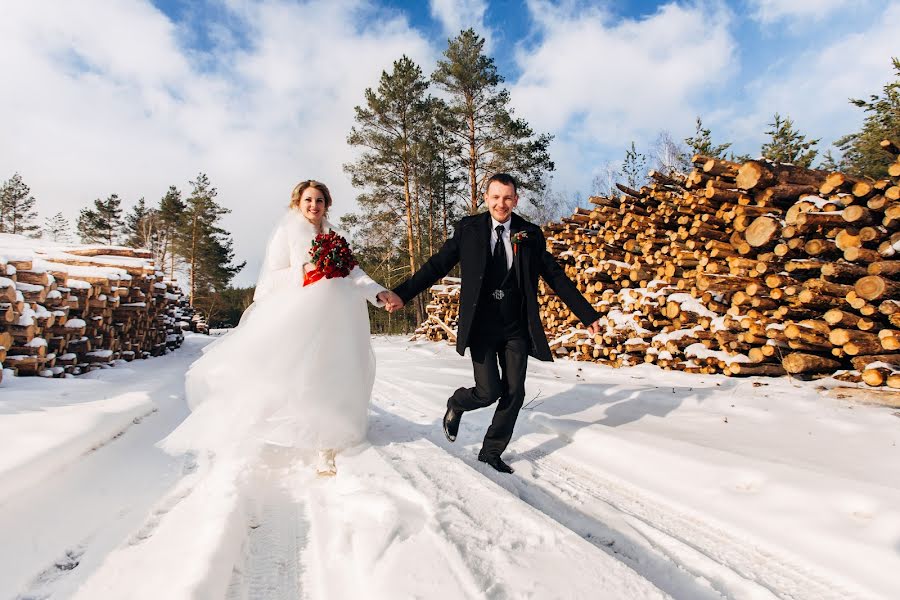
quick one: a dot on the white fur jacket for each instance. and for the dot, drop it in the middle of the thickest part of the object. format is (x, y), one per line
(288, 250)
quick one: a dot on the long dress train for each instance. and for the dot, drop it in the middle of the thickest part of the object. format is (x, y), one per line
(297, 371)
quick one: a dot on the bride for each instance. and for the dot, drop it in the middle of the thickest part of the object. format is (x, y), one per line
(298, 370)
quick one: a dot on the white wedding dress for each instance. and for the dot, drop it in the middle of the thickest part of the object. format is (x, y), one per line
(297, 371)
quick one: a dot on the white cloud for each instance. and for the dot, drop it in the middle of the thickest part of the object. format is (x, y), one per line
(108, 100)
(815, 86)
(599, 83)
(771, 11)
(456, 15)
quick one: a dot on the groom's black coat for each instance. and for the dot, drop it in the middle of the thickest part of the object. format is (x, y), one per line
(470, 247)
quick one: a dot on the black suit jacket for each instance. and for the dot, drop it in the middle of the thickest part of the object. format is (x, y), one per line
(469, 247)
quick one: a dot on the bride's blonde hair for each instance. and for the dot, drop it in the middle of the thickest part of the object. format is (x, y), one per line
(309, 183)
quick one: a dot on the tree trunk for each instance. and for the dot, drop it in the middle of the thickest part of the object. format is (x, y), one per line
(473, 157)
(798, 362)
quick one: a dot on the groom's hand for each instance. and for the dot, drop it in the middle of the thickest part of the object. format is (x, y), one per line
(594, 327)
(391, 300)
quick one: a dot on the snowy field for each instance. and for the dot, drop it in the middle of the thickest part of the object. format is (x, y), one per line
(630, 483)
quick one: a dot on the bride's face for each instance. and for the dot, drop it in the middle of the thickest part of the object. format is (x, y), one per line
(312, 205)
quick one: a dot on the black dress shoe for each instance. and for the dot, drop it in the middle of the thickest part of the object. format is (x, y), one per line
(497, 463)
(451, 423)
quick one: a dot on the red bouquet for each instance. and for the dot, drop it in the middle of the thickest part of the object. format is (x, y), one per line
(332, 256)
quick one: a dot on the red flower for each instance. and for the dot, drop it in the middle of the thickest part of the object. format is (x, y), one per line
(332, 256)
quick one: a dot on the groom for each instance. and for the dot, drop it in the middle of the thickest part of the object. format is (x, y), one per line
(500, 256)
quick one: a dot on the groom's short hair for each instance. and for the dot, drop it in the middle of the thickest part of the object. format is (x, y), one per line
(505, 179)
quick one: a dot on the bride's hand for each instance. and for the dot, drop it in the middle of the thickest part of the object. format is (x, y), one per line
(308, 267)
(390, 300)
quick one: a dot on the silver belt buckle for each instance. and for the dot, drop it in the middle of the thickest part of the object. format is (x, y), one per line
(499, 294)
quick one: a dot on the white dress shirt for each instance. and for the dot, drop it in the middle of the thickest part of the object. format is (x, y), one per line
(506, 239)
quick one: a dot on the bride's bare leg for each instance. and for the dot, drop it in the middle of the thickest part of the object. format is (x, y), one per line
(325, 466)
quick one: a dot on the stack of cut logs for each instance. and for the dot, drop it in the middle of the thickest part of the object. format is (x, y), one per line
(72, 310)
(742, 269)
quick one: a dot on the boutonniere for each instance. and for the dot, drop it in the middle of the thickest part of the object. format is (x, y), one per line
(519, 237)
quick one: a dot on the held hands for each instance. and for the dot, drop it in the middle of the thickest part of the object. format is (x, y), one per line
(594, 327)
(391, 300)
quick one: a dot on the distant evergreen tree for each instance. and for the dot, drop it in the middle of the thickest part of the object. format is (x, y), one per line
(205, 247)
(226, 307)
(168, 216)
(56, 229)
(634, 168)
(17, 214)
(141, 226)
(739, 158)
(492, 140)
(103, 223)
(787, 145)
(863, 155)
(439, 179)
(701, 142)
(388, 127)
(828, 162)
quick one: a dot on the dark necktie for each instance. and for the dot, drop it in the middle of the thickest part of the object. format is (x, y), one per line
(500, 266)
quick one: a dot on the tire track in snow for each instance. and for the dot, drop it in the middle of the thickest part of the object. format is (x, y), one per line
(272, 567)
(769, 569)
(497, 537)
(784, 576)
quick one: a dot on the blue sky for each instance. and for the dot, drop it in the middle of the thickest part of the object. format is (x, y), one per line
(133, 96)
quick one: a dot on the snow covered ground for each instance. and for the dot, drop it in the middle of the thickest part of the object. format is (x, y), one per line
(629, 483)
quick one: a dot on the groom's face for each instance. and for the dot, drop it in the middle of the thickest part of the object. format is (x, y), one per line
(501, 199)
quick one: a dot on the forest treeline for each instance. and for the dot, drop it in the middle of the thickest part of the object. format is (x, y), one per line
(426, 145)
(182, 232)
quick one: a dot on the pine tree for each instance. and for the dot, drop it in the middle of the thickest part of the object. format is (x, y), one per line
(863, 155)
(56, 229)
(389, 126)
(634, 168)
(169, 215)
(102, 224)
(141, 227)
(205, 247)
(787, 145)
(492, 140)
(701, 143)
(17, 214)
(439, 180)
(829, 163)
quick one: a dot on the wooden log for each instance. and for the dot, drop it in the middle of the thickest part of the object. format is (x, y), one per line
(749, 369)
(783, 194)
(856, 214)
(861, 362)
(891, 147)
(876, 376)
(720, 167)
(886, 268)
(875, 287)
(799, 362)
(843, 271)
(809, 220)
(890, 247)
(762, 231)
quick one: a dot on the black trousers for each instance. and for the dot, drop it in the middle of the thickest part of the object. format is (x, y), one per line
(499, 362)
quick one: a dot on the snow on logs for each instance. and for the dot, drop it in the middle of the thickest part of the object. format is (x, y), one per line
(71, 309)
(742, 269)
